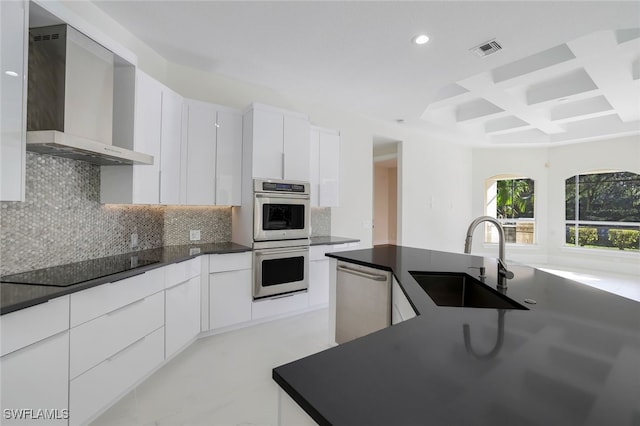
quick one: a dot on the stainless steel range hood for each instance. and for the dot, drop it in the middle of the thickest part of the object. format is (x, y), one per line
(70, 98)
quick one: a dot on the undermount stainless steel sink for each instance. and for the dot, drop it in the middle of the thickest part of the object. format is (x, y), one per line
(462, 290)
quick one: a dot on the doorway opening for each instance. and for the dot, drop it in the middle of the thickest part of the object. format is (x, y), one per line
(386, 191)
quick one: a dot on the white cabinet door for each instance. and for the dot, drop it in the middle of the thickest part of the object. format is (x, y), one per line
(296, 148)
(137, 184)
(401, 309)
(229, 298)
(268, 134)
(324, 167)
(229, 159)
(148, 119)
(37, 377)
(329, 169)
(319, 282)
(182, 315)
(201, 153)
(14, 18)
(170, 149)
(314, 164)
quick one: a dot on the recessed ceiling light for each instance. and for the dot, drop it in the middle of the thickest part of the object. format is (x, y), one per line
(11, 73)
(421, 39)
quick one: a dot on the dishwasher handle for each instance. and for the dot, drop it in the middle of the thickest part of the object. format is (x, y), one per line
(362, 274)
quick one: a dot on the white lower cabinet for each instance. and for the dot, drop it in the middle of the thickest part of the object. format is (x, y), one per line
(98, 339)
(182, 315)
(229, 291)
(318, 282)
(94, 390)
(229, 298)
(401, 309)
(35, 383)
(24, 327)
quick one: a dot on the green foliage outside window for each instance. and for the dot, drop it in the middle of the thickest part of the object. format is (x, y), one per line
(586, 236)
(515, 199)
(608, 203)
(624, 238)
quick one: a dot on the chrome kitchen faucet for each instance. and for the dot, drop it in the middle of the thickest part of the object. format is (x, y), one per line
(503, 273)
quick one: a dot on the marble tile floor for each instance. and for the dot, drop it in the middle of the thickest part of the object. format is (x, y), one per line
(222, 380)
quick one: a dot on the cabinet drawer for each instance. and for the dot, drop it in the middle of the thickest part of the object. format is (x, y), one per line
(282, 305)
(98, 339)
(97, 301)
(229, 261)
(37, 377)
(181, 272)
(100, 386)
(26, 326)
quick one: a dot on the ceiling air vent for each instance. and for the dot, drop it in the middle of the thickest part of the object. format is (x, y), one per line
(487, 48)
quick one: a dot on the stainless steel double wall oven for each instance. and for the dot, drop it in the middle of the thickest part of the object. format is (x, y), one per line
(281, 232)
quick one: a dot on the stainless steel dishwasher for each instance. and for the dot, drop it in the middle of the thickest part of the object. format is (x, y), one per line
(363, 301)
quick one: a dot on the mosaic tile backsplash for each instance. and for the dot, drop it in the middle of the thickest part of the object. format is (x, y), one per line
(62, 220)
(320, 221)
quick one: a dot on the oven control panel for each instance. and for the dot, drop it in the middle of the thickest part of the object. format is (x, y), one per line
(261, 185)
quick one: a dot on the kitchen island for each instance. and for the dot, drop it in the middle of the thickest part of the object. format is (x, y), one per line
(572, 358)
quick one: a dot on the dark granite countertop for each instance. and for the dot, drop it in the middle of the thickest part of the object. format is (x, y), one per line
(571, 359)
(331, 239)
(14, 297)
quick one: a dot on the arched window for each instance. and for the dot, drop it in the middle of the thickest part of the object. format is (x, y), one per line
(511, 199)
(603, 210)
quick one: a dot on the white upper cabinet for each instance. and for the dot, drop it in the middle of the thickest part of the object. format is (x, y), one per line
(324, 167)
(170, 147)
(278, 142)
(148, 128)
(229, 158)
(199, 120)
(14, 18)
(149, 117)
(137, 184)
(213, 137)
(296, 148)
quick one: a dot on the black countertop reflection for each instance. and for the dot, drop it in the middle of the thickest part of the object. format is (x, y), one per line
(19, 291)
(573, 358)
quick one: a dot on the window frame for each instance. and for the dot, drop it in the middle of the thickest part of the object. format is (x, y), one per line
(576, 222)
(491, 234)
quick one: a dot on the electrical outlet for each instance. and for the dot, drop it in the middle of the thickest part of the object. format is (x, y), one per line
(194, 235)
(134, 240)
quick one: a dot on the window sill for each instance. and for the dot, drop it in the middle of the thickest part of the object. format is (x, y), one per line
(600, 252)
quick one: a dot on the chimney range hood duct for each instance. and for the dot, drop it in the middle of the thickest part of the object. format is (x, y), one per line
(70, 98)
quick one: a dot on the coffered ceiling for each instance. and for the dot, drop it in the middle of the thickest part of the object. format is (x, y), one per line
(567, 71)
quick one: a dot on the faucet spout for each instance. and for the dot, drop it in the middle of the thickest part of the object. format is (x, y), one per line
(503, 272)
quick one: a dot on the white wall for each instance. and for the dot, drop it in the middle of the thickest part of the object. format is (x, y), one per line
(550, 167)
(381, 204)
(436, 194)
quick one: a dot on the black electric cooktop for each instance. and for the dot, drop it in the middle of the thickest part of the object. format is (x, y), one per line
(78, 272)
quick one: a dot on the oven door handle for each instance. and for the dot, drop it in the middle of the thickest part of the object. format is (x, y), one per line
(287, 195)
(264, 252)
